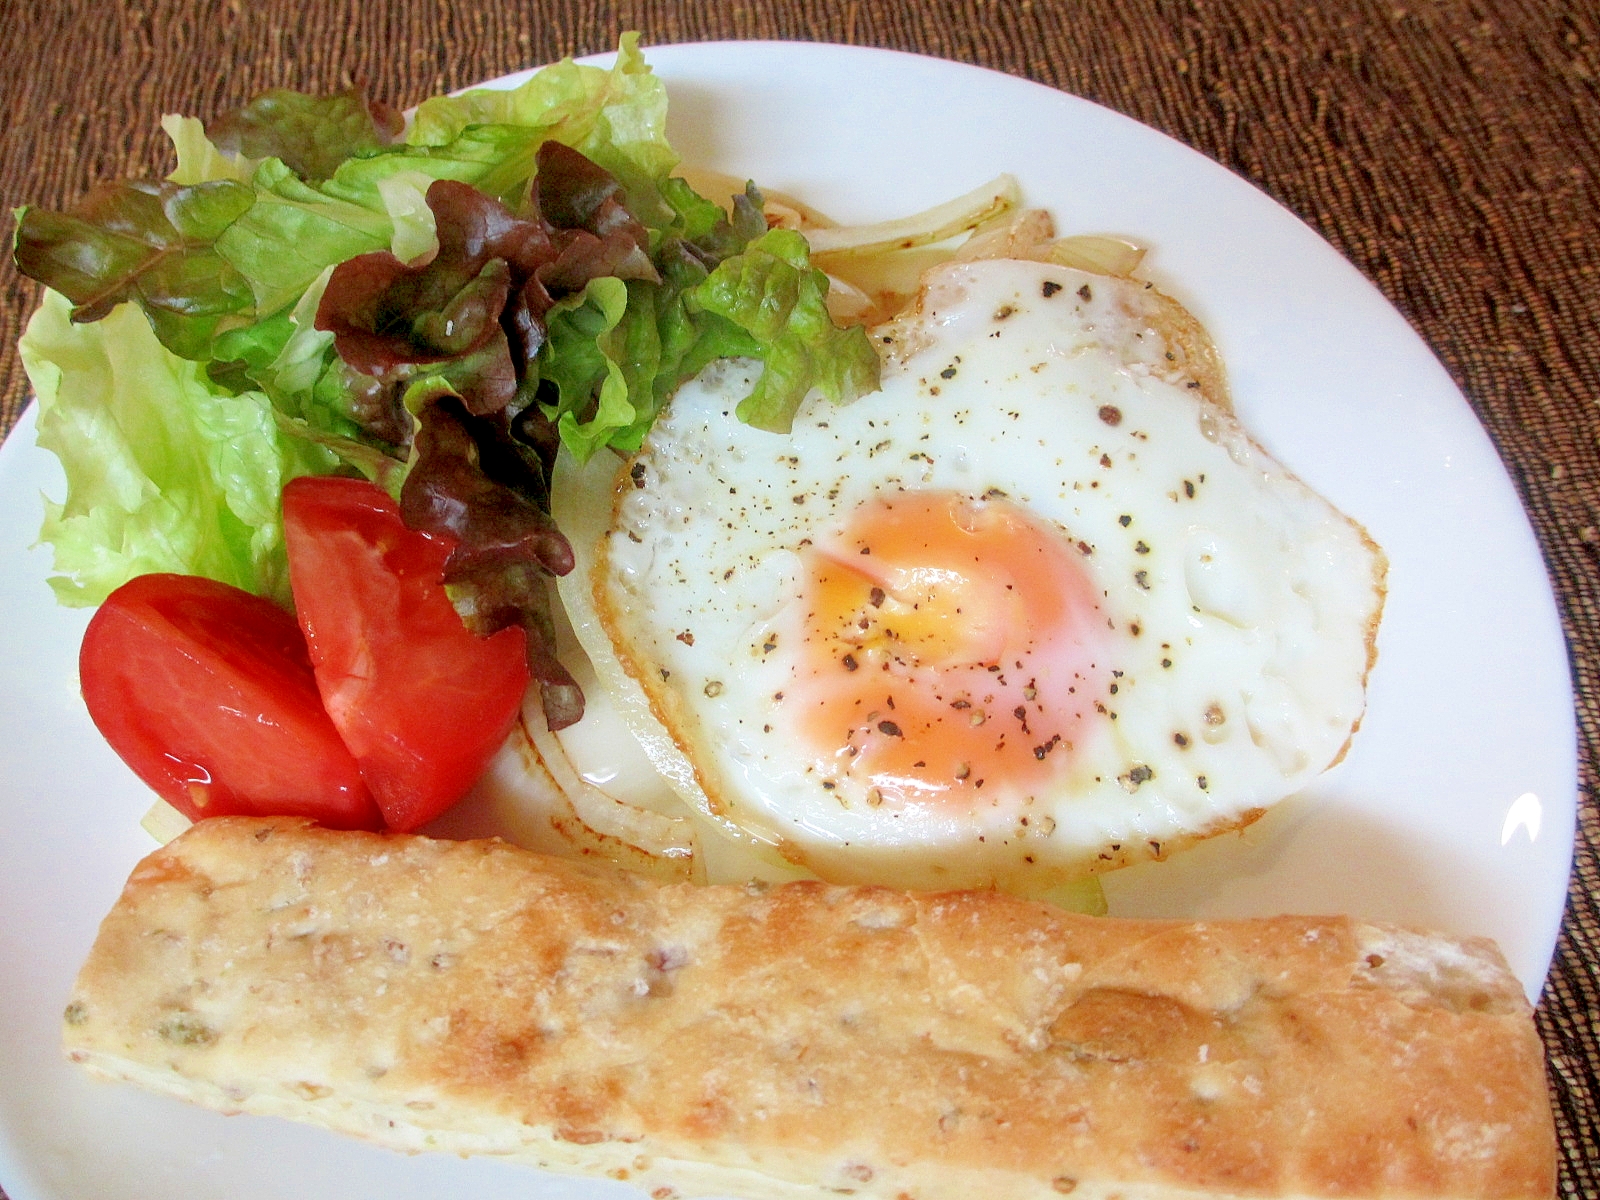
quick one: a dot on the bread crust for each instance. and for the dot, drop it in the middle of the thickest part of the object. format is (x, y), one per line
(803, 1039)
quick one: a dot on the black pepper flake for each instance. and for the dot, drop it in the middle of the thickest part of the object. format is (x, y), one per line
(1188, 488)
(1111, 414)
(1179, 739)
(1084, 293)
(1004, 311)
(1142, 578)
(849, 661)
(1125, 520)
(948, 373)
(889, 729)
(828, 785)
(1140, 548)
(877, 595)
(1050, 287)
(1193, 383)
(637, 475)
(1201, 780)
(686, 638)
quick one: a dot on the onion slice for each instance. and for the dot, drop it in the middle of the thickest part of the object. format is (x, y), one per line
(667, 842)
(936, 224)
(520, 797)
(1096, 253)
(580, 501)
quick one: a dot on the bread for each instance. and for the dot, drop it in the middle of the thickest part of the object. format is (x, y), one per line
(807, 1040)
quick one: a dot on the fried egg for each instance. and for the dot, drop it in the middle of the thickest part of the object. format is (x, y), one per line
(1037, 607)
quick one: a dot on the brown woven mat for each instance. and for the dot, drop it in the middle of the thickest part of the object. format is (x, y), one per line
(1448, 147)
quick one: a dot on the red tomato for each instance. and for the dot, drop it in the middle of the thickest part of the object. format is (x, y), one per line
(207, 693)
(422, 703)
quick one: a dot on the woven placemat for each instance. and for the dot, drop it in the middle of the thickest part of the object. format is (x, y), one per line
(1447, 147)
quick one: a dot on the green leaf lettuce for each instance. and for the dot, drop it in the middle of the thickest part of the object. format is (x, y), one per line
(190, 484)
(774, 295)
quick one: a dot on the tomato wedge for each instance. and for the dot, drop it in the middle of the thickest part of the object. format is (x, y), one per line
(422, 703)
(206, 691)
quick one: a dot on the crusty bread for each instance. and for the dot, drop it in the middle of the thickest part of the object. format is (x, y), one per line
(808, 1040)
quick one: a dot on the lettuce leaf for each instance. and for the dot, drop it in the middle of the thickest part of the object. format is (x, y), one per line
(617, 117)
(312, 135)
(774, 295)
(199, 159)
(152, 243)
(164, 473)
(581, 359)
(292, 232)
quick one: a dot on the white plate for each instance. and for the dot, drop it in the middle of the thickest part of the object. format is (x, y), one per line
(1454, 809)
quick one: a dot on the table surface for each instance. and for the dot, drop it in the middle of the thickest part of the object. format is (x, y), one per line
(1448, 148)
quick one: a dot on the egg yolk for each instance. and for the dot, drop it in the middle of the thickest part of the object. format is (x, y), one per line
(950, 651)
